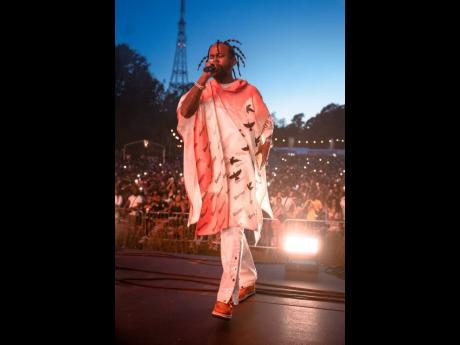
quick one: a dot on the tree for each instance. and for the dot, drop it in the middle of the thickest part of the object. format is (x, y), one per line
(138, 96)
(297, 120)
(330, 107)
(328, 124)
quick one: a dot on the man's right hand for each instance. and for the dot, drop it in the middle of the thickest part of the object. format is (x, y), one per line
(208, 75)
(191, 101)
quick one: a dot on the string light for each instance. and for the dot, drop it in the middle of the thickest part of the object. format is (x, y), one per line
(322, 141)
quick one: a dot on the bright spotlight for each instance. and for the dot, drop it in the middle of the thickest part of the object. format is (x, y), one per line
(301, 244)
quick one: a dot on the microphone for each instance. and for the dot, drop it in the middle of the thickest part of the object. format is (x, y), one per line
(210, 68)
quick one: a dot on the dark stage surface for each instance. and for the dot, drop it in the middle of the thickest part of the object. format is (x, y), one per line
(172, 296)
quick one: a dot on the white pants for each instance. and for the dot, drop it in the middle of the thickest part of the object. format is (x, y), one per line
(237, 262)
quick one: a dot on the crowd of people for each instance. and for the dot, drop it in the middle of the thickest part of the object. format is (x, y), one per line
(145, 183)
(308, 187)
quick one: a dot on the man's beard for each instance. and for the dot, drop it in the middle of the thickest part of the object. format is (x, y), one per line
(222, 74)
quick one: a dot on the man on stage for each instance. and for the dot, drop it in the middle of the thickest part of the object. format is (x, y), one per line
(227, 130)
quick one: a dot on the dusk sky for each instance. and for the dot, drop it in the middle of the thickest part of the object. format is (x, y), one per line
(295, 49)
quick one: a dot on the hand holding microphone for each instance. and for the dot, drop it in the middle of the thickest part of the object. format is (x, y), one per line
(211, 69)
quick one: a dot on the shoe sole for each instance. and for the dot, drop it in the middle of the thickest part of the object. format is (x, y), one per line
(222, 316)
(247, 296)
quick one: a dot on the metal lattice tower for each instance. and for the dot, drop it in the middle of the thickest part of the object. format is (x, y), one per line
(179, 76)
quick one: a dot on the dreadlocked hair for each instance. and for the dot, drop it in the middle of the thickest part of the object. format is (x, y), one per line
(236, 51)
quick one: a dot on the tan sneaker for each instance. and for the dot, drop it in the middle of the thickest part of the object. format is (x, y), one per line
(246, 292)
(222, 310)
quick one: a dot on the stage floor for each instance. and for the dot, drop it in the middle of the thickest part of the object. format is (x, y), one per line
(164, 298)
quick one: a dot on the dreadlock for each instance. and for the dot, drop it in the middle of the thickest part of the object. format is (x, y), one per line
(236, 52)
